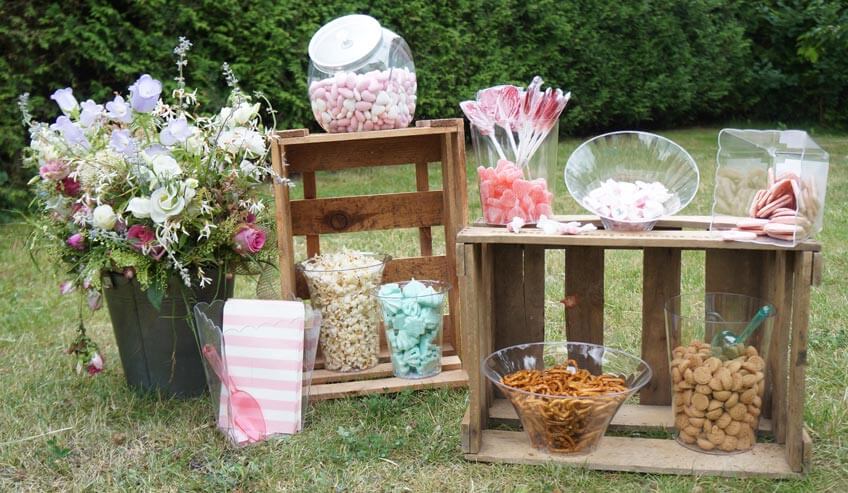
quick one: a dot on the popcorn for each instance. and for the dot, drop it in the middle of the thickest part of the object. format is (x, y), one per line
(342, 287)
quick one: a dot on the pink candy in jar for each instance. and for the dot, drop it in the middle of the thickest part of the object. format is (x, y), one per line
(361, 76)
(375, 100)
(505, 194)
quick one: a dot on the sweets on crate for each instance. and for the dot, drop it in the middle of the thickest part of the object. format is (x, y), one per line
(412, 314)
(628, 201)
(376, 100)
(505, 194)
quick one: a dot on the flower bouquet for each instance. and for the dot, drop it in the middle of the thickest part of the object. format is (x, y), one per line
(514, 132)
(150, 192)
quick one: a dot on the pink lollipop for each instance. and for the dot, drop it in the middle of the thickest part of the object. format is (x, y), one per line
(480, 119)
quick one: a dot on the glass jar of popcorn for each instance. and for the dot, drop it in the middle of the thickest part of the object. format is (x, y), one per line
(342, 287)
(361, 76)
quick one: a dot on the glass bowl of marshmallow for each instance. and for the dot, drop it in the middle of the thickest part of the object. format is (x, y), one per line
(630, 179)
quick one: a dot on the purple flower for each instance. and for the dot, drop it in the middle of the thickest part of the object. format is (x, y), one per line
(178, 130)
(118, 110)
(66, 287)
(95, 364)
(70, 132)
(155, 150)
(69, 186)
(91, 112)
(94, 299)
(76, 241)
(65, 99)
(122, 143)
(54, 170)
(248, 239)
(144, 94)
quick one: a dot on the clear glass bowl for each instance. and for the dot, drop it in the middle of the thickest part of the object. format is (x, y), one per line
(558, 424)
(717, 398)
(350, 337)
(630, 156)
(414, 327)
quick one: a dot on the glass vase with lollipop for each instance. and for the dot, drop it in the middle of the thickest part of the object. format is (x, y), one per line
(515, 134)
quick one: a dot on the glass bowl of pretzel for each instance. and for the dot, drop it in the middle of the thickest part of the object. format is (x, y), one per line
(565, 393)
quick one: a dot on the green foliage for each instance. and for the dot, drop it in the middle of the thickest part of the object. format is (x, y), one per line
(639, 63)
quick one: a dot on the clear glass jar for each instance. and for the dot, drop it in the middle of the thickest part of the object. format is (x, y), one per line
(361, 76)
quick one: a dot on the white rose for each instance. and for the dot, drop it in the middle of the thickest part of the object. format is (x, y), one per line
(245, 112)
(139, 207)
(190, 186)
(255, 143)
(104, 217)
(238, 139)
(166, 202)
(164, 167)
(225, 117)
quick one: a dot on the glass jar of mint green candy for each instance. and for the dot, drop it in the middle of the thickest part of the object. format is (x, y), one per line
(413, 315)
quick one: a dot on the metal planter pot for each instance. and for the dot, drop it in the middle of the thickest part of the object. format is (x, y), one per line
(158, 348)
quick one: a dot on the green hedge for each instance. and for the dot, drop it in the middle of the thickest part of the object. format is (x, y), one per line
(635, 63)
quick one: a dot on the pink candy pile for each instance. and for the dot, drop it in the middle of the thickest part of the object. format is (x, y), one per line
(376, 100)
(505, 194)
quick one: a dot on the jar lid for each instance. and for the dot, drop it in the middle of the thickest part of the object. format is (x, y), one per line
(345, 41)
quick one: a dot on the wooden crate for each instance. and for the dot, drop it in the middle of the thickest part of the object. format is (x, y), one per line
(502, 278)
(298, 152)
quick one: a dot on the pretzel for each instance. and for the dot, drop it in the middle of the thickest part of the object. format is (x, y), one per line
(564, 425)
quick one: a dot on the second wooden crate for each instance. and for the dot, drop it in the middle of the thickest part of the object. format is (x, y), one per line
(298, 152)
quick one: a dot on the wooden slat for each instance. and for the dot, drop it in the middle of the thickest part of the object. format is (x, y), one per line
(697, 240)
(818, 267)
(421, 268)
(358, 150)
(422, 184)
(519, 295)
(779, 281)
(669, 222)
(324, 138)
(630, 417)
(476, 288)
(382, 370)
(584, 286)
(798, 360)
(660, 282)
(282, 211)
(366, 213)
(455, 207)
(451, 378)
(646, 455)
(310, 191)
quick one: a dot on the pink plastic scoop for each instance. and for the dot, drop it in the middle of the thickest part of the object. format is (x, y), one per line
(246, 411)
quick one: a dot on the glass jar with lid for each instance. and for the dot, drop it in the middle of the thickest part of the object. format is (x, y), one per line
(361, 76)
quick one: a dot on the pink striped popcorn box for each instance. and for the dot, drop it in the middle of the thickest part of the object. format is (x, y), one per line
(267, 352)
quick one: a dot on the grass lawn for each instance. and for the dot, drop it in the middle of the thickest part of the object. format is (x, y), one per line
(113, 439)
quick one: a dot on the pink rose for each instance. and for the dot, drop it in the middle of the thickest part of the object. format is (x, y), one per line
(76, 241)
(54, 170)
(248, 238)
(69, 186)
(95, 365)
(140, 237)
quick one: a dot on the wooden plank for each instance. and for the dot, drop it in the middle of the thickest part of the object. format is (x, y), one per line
(451, 378)
(327, 138)
(696, 240)
(422, 268)
(382, 370)
(798, 360)
(476, 287)
(818, 267)
(422, 184)
(646, 455)
(630, 417)
(455, 209)
(310, 191)
(660, 282)
(584, 286)
(780, 285)
(366, 212)
(463, 429)
(668, 222)
(808, 450)
(362, 150)
(519, 295)
(737, 272)
(282, 211)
